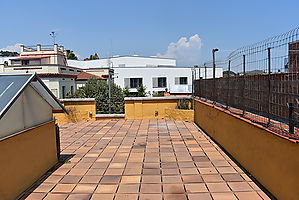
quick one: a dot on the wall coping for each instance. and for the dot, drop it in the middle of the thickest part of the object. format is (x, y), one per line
(77, 99)
(247, 121)
(155, 98)
(109, 115)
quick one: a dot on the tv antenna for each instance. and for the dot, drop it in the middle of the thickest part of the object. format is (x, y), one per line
(53, 35)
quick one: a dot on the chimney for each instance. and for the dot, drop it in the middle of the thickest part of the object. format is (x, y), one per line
(22, 48)
(38, 47)
(56, 47)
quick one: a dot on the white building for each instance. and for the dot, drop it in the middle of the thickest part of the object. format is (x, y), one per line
(156, 74)
(123, 61)
(156, 79)
(49, 63)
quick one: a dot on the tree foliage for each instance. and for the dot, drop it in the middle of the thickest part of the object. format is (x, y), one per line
(228, 73)
(93, 57)
(71, 55)
(141, 92)
(98, 89)
(8, 54)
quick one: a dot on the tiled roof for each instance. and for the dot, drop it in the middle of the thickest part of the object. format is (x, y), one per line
(86, 76)
(56, 75)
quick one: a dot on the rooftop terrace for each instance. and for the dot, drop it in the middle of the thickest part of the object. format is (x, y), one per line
(142, 159)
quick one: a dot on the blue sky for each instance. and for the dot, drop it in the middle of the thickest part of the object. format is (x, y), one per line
(144, 27)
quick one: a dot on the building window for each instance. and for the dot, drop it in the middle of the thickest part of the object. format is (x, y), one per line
(25, 62)
(159, 82)
(63, 92)
(72, 90)
(181, 80)
(133, 82)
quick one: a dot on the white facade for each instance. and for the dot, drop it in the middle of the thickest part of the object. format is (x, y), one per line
(123, 61)
(207, 73)
(150, 76)
(50, 64)
(156, 74)
(60, 87)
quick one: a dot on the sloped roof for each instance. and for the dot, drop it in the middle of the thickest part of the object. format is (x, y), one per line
(86, 76)
(13, 84)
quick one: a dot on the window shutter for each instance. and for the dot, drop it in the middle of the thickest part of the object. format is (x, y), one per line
(127, 82)
(177, 80)
(155, 82)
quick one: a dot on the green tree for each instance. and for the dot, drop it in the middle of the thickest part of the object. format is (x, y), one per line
(93, 57)
(141, 91)
(127, 93)
(8, 54)
(98, 89)
(71, 55)
(158, 94)
(228, 73)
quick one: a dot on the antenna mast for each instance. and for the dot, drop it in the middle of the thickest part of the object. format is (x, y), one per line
(53, 35)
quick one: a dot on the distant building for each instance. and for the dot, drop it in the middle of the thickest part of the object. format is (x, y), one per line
(83, 77)
(65, 76)
(123, 61)
(49, 62)
(156, 74)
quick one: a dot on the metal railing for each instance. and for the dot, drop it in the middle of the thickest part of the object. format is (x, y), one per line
(115, 105)
(260, 82)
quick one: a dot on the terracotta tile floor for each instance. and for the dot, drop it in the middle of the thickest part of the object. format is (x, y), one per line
(142, 160)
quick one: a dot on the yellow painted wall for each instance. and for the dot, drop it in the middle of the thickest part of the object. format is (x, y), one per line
(156, 109)
(272, 160)
(78, 111)
(178, 114)
(26, 157)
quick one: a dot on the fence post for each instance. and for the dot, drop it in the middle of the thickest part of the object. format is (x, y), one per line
(214, 75)
(243, 92)
(109, 92)
(205, 71)
(269, 85)
(228, 86)
(291, 118)
(205, 92)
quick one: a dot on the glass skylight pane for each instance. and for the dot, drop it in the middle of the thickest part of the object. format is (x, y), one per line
(9, 87)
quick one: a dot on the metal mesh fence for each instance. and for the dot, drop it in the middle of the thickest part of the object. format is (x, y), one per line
(115, 105)
(260, 82)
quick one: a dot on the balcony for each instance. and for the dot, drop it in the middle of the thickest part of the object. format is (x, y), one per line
(180, 89)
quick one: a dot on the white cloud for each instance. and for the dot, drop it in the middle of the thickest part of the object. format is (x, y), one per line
(12, 48)
(185, 51)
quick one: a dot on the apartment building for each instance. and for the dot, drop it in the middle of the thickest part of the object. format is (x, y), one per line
(155, 73)
(49, 62)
